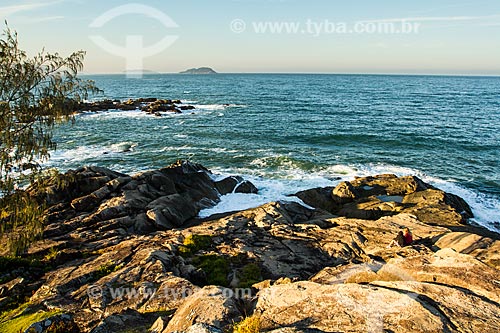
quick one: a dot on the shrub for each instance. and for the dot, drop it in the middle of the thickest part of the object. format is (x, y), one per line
(249, 275)
(216, 268)
(21, 220)
(194, 243)
(36, 93)
(248, 325)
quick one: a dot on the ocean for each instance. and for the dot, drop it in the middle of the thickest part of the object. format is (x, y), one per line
(288, 132)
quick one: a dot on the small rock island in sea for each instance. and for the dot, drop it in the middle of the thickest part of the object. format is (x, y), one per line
(199, 71)
(128, 253)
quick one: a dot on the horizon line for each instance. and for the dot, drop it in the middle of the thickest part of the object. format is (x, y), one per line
(145, 73)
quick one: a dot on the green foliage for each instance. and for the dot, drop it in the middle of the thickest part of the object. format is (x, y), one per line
(248, 325)
(105, 270)
(53, 252)
(11, 266)
(215, 267)
(194, 243)
(249, 275)
(52, 179)
(20, 319)
(21, 219)
(8, 264)
(35, 94)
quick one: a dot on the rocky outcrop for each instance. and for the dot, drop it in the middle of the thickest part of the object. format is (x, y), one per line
(126, 252)
(152, 106)
(374, 197)
(112, 203)
(394, 306)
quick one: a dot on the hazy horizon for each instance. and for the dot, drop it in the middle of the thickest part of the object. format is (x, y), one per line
(266, 36)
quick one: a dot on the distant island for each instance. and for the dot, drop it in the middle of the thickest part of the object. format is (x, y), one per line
(201, 70)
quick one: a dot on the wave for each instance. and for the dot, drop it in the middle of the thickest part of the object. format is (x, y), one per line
(121, 114)
(217, 107)
(84, 153)
(290, 176)
(113, 114)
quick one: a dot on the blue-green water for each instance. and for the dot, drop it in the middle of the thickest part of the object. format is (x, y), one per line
(292, 132)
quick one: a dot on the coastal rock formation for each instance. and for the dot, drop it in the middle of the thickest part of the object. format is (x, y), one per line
(374, 197)
(127, 253)
(152, 106)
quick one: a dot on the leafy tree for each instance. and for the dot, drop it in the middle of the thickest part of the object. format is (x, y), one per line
(35, 94)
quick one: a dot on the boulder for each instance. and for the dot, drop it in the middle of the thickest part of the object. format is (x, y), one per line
(171, 211)
(480, 247)
(227, 185)
(400, 306)
(374, 197)
(246, 187)
(57, 323)
(212, 306)
(235, 184)
(320, 197)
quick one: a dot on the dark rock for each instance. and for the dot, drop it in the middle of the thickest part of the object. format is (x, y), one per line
(171, 211)
(198, 71)
(147, 100)
(235, 184)
(246, 187)
(320, 197)
(227, 185)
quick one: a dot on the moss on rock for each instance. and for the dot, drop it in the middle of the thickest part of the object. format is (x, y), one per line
(216, 268)
(249, 275)
(194, 243)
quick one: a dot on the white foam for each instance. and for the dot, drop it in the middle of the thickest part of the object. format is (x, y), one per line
(217, 107)
(269, 191)
(222, 150)
(209, 107)
(288, 179)
(83, 153)
(113, 114)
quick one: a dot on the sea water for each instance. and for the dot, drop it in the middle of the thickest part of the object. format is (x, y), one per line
(288, 132)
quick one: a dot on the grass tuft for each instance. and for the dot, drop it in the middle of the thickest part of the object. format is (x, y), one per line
(248, 325)
(20, 319)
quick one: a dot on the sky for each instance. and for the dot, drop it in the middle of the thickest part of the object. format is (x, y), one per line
(266, 36)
